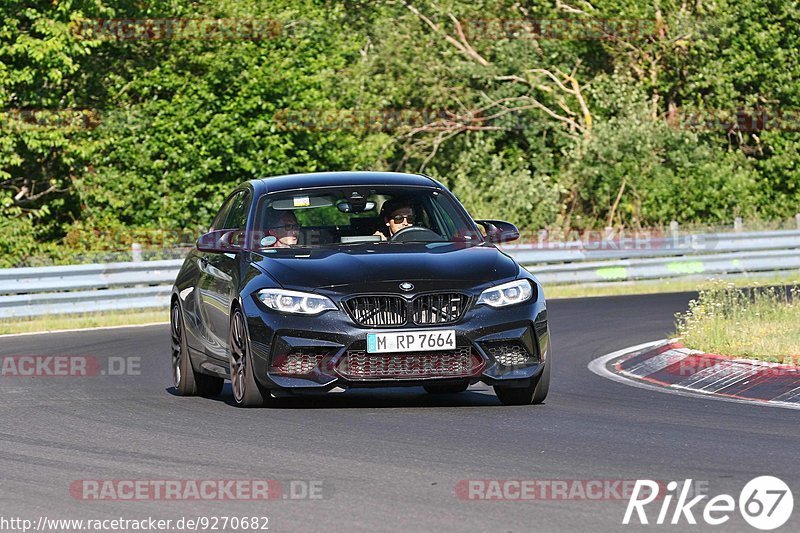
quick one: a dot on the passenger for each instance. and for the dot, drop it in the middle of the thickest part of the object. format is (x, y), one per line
(283, 226)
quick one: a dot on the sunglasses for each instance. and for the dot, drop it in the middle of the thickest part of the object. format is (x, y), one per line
(398, 219)
(289, 227)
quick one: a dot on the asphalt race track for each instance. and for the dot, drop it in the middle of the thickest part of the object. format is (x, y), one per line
(386, 460)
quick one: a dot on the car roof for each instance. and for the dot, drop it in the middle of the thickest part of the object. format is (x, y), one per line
(336, 179)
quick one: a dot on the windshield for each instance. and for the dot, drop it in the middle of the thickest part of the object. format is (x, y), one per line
(348, 216)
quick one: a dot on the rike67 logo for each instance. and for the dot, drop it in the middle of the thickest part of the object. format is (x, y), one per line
(765, 503)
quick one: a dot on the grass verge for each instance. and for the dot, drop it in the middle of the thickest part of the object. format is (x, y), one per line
(664, 285)
(756, 323)
(84, 320)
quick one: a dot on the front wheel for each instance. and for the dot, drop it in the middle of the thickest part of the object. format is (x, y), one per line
(186, 381)
(535, 393)
(246, 391)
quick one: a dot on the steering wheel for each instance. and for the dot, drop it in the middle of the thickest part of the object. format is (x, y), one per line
(416, 233)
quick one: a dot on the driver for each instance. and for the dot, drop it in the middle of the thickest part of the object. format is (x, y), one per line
(397, 215)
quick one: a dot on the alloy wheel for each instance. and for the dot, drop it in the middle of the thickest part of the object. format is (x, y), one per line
(177, 343)
(238, 357)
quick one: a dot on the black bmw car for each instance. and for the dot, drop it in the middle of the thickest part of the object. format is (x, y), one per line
(318, 283)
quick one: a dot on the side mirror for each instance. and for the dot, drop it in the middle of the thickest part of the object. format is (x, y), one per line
(498, 231)
(221, 241)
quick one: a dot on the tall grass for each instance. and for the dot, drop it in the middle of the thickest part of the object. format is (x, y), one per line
(757, 322)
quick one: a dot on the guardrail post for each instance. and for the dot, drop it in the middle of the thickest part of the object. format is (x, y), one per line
(674, 228)
(797, 218)
(136, 252)
(737, 224)
(608, 238)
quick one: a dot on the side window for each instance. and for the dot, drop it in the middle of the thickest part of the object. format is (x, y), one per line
(237, 216)
(451, 218)
(221, 218)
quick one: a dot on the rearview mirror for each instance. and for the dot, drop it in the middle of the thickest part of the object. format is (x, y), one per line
(355, 206)
(498, 231)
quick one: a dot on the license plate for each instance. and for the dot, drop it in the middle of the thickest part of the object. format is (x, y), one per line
(411, 341)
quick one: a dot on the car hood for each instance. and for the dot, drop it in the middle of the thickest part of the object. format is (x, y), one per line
(369, 265)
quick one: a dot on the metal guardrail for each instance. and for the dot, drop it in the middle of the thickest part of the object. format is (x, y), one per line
(631, 259)
(34, 291)
(73, 277)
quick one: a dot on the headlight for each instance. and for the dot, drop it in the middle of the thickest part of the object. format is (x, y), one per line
(300, 303)
(511, 293)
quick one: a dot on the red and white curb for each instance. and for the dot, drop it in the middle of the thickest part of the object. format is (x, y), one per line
(667, 366)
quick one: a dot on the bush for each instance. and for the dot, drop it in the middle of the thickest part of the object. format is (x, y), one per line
(759, 323)
(637, 172)
(500, 185)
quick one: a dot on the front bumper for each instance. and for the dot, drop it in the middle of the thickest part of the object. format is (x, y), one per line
(323, 345)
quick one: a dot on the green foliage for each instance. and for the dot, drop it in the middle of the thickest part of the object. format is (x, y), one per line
(190, 127)
(636, 172)
(134, 137)
(18, 241)
(43, 117)
(488, 182)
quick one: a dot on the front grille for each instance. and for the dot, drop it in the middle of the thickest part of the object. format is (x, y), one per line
(378, 310)
(358, 364)
(508, 353)
(443, 308)
(424, 310)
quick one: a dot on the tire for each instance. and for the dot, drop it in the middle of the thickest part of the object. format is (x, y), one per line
(448, 388)
(186, 381)
(246, 391)
(535, 393)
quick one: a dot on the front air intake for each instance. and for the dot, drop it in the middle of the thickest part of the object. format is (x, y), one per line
(509, 353)
(360, 365)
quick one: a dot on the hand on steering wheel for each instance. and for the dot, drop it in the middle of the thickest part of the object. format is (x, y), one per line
(416, 233)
